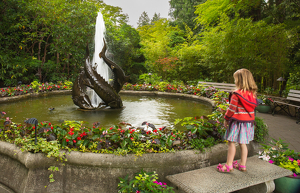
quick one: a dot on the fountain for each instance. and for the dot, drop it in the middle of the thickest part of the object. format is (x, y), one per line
(92, 90)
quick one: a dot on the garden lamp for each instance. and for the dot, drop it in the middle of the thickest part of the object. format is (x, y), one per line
(35, 122)
(150, 74)
(281, 80)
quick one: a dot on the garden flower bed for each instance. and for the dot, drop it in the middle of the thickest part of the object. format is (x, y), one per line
(138, 147)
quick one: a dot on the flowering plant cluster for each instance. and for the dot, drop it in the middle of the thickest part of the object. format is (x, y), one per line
(277, 153)
(34, 87)
(199, 90)
(263, 99)
(143, 182)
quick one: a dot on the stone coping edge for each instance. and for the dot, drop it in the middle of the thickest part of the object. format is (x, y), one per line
(39, 160)
(31, 95)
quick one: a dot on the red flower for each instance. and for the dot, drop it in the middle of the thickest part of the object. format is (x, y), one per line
(94, 127)
(74, 141)
(72, 129)
(33, 127)
(110, 128)
(148, 132)
(49, 124)
(132, 138)
(78, 138)
(132, 131)
(52, 128)
(155, 130)
(67, 140)
(71, 133)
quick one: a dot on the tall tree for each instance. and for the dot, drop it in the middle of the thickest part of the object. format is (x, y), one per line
(143, 19)
(182, 12)
(155, 17)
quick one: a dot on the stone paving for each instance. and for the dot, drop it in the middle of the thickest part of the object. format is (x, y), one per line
(283, 127)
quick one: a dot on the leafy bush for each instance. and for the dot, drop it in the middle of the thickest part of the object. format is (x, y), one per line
(261, 130)
(143, 183)
(150, 78)
(294, 81)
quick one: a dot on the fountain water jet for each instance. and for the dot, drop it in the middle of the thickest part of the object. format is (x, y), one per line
(101, 67)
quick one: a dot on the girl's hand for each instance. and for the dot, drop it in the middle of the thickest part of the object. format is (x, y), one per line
(226, 123)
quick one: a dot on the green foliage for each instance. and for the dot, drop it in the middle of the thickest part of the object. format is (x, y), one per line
(35, 85)
(124, 44)
(241, 43)
(144, 182)
(150, 78)
(143, 19)
(182, 12)
(261, 131)
(163, 86)
(68, 85)
(52, 169)
(51, 149)
(48, 38)
(294, 80)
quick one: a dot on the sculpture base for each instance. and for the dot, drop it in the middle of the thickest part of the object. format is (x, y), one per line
(106, 108)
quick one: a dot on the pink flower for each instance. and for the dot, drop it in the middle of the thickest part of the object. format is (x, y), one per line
(271, 161)
(294, 174)
(298, 162)
(290, 158)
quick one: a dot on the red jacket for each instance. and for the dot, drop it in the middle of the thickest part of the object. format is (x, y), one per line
(241, 108)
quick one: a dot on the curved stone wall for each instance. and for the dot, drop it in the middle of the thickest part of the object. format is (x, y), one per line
(22, 172)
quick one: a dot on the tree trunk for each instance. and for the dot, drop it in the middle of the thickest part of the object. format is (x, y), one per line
(39, 58)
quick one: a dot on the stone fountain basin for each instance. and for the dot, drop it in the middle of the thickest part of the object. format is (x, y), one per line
(90, 172)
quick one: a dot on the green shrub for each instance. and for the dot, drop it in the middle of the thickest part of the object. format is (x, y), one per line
(261, 131)
(144, 183)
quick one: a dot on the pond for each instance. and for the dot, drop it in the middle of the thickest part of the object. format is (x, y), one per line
(160, 111)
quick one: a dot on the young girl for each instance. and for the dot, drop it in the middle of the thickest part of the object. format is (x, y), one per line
(239, 119)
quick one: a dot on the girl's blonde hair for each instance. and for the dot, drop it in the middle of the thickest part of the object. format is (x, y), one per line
(244, 81)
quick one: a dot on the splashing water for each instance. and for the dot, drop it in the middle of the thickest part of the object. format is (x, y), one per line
(102, 68)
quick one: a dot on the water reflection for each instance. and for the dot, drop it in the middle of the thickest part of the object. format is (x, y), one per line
(158, 111)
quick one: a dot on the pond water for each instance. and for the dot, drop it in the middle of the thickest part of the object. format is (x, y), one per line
(159, 111)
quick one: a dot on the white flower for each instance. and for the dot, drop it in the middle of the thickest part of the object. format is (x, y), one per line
(265, 157)
(147, 128)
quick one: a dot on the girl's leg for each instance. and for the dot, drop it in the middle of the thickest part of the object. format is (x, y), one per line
(244, 154)
(231, 153)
